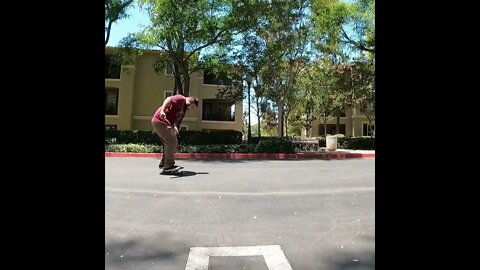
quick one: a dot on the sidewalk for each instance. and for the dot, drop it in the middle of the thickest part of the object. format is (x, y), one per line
(338, 154)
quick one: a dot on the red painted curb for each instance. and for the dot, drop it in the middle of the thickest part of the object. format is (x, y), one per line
(216, 156)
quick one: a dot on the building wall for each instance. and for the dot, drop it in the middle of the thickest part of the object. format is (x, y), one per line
(142, 91)
(353, 121)
(125, 84)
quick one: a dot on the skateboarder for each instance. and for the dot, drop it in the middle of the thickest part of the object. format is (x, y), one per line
(166, 122)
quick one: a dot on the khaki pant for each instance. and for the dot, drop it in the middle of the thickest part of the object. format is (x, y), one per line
(169, 140)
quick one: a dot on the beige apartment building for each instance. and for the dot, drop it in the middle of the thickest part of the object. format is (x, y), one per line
(353, 124)
(134, 92)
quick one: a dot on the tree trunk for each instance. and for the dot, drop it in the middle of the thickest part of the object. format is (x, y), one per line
(186, 76)
(186, 85)
(286, 124)
(370, 126)
(280, 103)
(259, 135)
(338, 124)
(177, 88)
(325, 125)
(109, 27)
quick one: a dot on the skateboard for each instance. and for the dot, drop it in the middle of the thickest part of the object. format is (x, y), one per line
(176, 171)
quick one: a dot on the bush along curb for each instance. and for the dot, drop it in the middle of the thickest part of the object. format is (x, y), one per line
(247, 156)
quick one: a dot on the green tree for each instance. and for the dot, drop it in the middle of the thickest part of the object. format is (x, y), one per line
(357, 79)
(319, 82)
(305, 110)
(184, 29)
(284, 33)
(334, 17)
(365, 90)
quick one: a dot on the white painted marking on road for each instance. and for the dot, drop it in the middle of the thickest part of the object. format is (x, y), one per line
(198, 258)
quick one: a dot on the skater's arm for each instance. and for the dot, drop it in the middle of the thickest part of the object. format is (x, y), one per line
(166, 105)
(179, 122)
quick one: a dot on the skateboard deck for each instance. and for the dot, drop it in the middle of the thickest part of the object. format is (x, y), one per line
(176, 171)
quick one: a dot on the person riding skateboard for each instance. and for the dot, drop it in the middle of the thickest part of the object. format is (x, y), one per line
(166, 122)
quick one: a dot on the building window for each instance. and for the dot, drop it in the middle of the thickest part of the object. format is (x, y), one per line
(112, 67)
(183, 127)
(111, 101)
(167, 94)
(216, 79)
(110, 127)
(368, 131)
(331, 129)
(218, 110)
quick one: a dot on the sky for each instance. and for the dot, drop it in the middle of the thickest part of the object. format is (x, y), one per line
(133, 24)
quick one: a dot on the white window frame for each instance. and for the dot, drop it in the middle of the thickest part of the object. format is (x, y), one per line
(373, 124)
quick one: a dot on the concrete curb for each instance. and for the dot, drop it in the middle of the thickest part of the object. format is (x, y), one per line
(241, 156)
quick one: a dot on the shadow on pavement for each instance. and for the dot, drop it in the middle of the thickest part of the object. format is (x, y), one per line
(184, 174)
(151, 252)
(342, 259)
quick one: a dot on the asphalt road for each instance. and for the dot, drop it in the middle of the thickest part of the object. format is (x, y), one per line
(262, 215)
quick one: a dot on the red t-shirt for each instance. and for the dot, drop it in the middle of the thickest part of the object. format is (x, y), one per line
(174, 112)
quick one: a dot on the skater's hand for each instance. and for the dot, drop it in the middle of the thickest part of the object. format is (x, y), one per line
(173, 130)
(162, 114)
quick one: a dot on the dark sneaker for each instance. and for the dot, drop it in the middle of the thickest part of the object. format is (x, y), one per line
(162, 164)
(170, 169)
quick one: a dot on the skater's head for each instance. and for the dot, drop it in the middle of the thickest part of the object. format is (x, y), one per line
(192, 103)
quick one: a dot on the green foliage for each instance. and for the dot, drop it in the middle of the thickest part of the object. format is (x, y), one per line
(192, 137)
(278, 145)
(185, 29)
(185, 137)
(320, 98)
(358, 143)
(216, 148)
(357, 81)
(267, 145)
(133, 148)
(333, 18)
(330, 17)
(131, 137)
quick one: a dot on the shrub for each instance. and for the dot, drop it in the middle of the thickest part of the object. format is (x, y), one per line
(277, 145)
(360, 143)
(192, 137)
(357, 143)
(133, 148)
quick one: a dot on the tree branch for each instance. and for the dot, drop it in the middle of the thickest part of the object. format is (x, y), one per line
(212, 41)
(359, 45)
